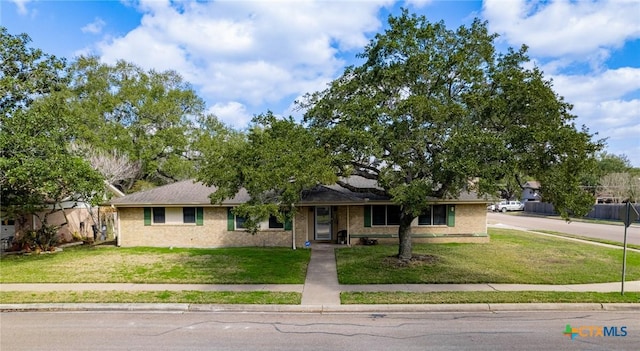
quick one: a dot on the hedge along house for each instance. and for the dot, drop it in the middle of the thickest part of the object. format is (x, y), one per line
(181, 215)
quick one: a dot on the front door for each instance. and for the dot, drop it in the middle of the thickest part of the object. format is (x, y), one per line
(323, 223)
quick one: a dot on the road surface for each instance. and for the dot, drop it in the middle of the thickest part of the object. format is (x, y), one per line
(591, 230)
(536, 330)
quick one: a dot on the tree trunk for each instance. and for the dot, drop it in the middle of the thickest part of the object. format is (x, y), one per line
(404, 236)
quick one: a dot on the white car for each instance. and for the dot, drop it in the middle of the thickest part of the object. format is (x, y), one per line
(505, 206)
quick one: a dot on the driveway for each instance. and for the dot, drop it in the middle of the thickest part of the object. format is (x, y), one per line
(591, 230)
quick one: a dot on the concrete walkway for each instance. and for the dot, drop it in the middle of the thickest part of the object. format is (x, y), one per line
(321, 287)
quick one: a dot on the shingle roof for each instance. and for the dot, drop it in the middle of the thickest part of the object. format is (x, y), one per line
(532, 184)
(186, 192)
(192, 193)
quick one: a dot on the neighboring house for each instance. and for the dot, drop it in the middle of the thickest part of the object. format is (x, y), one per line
(80, 218)
(531, 191)
(181, 215)
(7, 231)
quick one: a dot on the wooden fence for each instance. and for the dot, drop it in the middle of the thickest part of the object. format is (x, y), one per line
(599, 211)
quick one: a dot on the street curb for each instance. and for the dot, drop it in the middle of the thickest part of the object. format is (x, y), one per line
(426, 308)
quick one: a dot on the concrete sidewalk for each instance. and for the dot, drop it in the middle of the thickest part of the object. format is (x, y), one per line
(321, 289)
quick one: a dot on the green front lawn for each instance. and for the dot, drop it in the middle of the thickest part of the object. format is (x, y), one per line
(158, 265)
(586, 238)
(510, 257)
(195, 297)
(456, 297)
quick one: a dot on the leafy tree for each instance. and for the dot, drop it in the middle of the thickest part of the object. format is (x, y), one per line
(275, 161)
(36, 168)
(26, 73)
(606, 163)
(145, 116)
(433, 112)
(610, 163)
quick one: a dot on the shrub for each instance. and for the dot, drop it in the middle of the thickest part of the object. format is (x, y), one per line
(44, 239)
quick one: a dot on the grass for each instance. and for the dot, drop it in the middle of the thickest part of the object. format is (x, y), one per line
(511, 257)
(596, 240)
(100, 264)
(192, 297)
(486, 297)
(573, 219)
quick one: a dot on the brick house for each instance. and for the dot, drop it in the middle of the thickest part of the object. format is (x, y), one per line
(181, 215)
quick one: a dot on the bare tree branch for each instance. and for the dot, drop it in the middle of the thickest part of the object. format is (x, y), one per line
(114, 166)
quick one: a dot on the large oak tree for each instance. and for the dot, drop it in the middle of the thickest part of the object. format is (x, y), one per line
(275, 161)
(37, 169)
(432, 112)
(147, 116)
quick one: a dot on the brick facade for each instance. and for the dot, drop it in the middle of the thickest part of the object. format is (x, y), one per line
(470, 226)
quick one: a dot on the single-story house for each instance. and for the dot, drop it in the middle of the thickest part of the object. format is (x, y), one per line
(181, 215)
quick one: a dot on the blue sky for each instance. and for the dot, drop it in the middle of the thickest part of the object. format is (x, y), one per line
(246, 57)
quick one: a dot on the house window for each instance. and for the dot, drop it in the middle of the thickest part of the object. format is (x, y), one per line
(173, 215)
(385, 215)
(240, 222)
(434, 215)
(188, 214)
(158, 215)
(274, 223)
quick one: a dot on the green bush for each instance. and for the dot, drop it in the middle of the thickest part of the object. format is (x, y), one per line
(44, 239)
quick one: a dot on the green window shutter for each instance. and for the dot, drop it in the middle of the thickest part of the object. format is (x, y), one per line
(367, 216)
(199, 216)
(288, 225)
(451, 215)
(231, 219)
(147, 216)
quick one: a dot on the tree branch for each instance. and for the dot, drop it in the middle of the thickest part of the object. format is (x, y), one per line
(359, 190)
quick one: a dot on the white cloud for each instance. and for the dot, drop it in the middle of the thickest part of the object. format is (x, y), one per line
(610, 118)
(251, 53)
(602, 86)
(418, 3)
(94, 27)
(558, 28)
(624, 140)
(581, 36)
(21, 6)
(599, 102)
(233, 113)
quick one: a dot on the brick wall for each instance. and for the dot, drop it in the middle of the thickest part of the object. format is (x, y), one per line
(213, 232)
(470, 226)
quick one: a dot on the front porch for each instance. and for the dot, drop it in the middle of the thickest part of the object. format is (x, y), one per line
(348, 224)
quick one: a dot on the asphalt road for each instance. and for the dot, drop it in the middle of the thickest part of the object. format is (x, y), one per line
(302, 331)
(592, 230)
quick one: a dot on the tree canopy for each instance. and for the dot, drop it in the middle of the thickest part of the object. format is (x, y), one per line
(275, 162)
(68, 128)
(433, 112)
(147, 116)
(36, 167)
